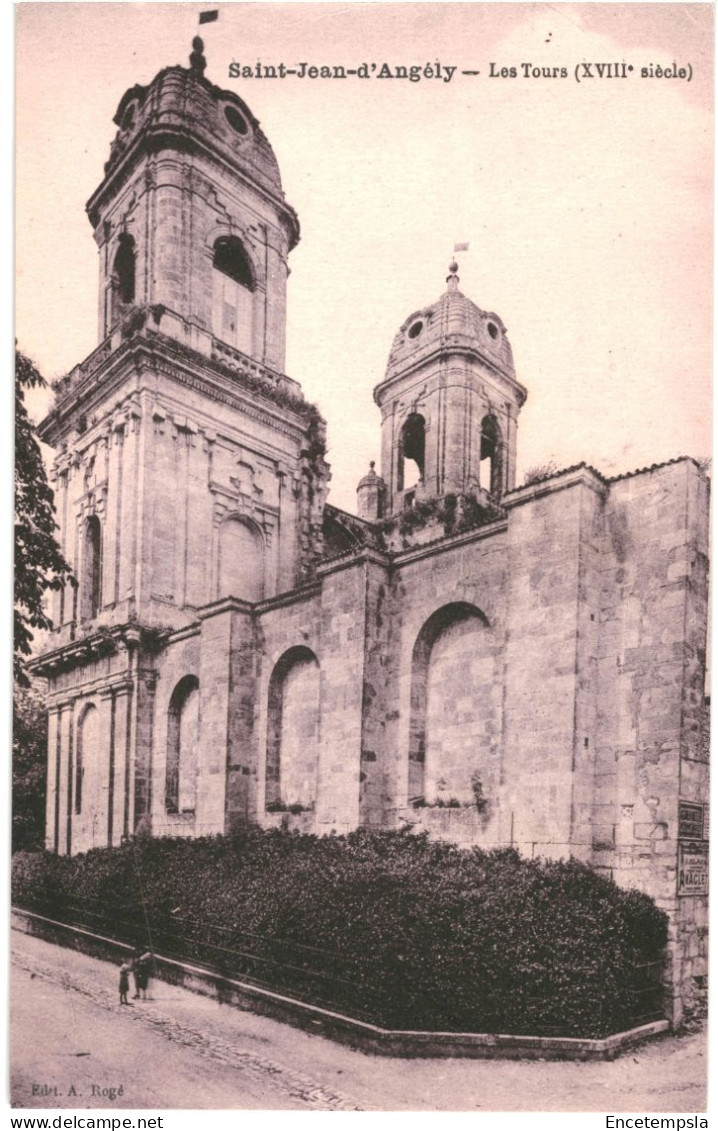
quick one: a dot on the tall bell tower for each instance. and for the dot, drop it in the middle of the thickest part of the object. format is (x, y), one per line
(189, 476)
(191, 216)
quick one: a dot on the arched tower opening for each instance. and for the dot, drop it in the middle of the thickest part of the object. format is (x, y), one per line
(233, 286)
(123, 277)
(411, 452)
(491, 471)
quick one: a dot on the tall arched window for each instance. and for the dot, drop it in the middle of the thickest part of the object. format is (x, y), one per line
(293, 730)
(87, 786)
(232, 289)
(123, 276)
(182, 747)
(491, 466)
(241, 560)
(411, 452)
(91, 587)
(453, 719)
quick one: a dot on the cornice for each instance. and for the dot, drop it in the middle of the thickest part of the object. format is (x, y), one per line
(580, 474)
(94, 646)
(156, 137)
(440, 354)
(182, 364)
(448, 542)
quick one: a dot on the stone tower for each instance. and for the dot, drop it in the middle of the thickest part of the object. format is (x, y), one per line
(190, 472)
(449, 404)
(191, 216)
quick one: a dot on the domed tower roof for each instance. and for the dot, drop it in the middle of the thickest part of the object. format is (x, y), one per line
(453, 322)
(182, 110)
(449, 403)
(190, 217)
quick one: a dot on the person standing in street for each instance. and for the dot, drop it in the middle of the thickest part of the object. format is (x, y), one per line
(124, 982)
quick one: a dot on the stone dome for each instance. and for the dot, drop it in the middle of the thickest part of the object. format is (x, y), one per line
(180, 109)
(456, 323)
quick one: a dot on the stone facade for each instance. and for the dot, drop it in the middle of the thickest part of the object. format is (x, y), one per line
(497, 665)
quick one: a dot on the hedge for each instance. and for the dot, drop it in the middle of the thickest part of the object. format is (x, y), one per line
(390, 927)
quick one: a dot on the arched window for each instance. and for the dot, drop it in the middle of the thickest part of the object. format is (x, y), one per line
(91, 588)
(232, 288)
(453, 704)
(87, 767)
(411, 452)
(241, 560)
(293, 730)
(182, 747)
(491, 465)
(123, 277)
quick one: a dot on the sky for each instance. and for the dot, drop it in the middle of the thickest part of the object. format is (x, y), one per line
(587, 205)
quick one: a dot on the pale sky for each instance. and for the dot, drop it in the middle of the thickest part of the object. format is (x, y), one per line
(587, 206)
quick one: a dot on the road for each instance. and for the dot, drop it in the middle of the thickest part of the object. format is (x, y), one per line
(76, 1047)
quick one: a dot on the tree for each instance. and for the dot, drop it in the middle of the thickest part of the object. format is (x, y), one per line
(39, 562)
(29, 768)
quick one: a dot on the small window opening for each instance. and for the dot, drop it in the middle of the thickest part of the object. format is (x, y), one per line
(129, 118)
(411, 452)
(236, 120)
(493, 330)
(416, 329)
(490, 466)
(231, 259)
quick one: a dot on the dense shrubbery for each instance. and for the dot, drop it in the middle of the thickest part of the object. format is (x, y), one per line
(386, 926)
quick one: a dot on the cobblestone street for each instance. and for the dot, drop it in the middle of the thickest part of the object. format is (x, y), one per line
(180, 1050)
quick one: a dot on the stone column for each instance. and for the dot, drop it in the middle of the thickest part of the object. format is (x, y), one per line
(227, 692)
(67, 767)
(122, 716)
(343, 603)
(53, 779)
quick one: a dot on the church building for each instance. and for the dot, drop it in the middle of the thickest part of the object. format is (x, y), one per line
(499, 665)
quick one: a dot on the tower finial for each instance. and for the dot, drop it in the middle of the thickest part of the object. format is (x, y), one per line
(197, 61)
(452, 279)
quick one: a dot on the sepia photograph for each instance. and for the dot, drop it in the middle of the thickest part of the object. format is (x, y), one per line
(361, 712)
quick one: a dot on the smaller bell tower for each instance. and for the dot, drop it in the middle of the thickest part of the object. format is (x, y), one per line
(449, 404)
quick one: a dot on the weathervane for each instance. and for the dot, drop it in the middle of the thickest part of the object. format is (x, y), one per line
(197, 61)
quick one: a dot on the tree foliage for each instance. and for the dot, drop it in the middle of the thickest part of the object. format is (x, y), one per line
(389, 927)
(29, 768)
(39, 563)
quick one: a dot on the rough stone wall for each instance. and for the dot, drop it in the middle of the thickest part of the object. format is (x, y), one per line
(378, 710)
(343, 635)
(468, 571)
(651, 672)
(549, 767)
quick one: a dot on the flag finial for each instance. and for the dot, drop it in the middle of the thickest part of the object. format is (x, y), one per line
(197, 61)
